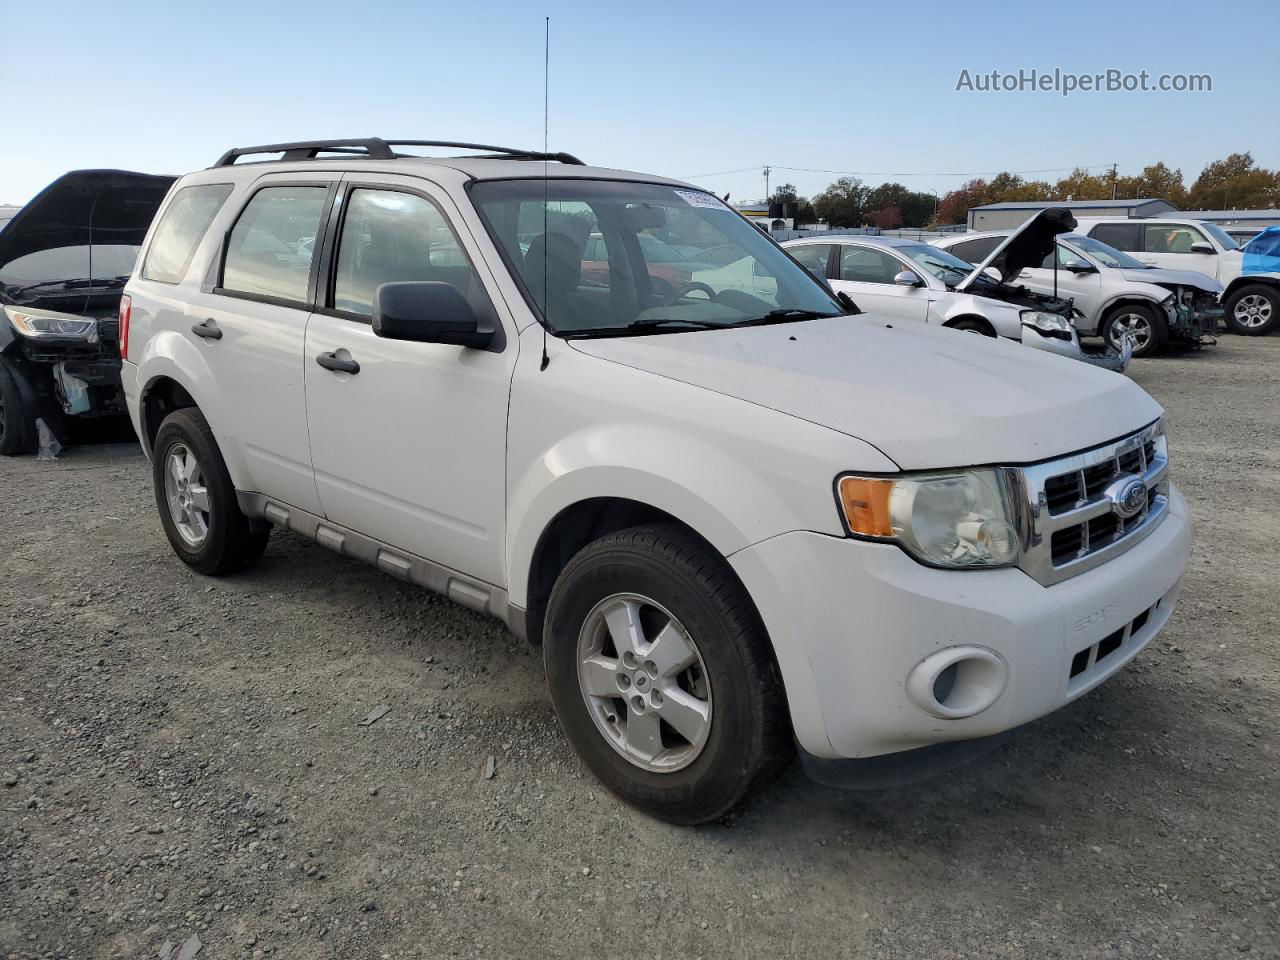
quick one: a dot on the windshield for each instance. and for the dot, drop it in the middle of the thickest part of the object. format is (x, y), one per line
(947, 267)
(1225, 240)
(605, 257)
(1108, 256)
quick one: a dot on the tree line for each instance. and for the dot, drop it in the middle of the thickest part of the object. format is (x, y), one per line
(1232, 183)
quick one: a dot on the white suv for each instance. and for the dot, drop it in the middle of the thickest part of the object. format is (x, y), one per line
(735, 516)
(1252, 300)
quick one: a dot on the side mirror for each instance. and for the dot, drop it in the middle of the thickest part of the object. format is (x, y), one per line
(426, 311)
(907, 279)
(1201, 247)
(1078, 266)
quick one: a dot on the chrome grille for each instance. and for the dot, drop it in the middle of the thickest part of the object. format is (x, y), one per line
(1068, 522)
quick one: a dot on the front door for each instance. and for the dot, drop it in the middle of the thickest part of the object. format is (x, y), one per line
(1077, 280)
(866, 274)
(410, 449)
(1168, 245)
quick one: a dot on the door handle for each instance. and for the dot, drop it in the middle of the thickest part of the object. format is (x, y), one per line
(208, 330)
(331, 361)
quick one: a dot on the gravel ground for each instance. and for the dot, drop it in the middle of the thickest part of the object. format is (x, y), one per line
(183, 756)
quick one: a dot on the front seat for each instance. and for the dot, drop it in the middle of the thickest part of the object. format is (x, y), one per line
(557, 257)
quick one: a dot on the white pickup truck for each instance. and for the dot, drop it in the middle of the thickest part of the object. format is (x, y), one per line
(737, 517)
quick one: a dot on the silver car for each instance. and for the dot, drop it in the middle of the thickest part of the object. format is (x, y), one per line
(910, 280)
(1116, 294)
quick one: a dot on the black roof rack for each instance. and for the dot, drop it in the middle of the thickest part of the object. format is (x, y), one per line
(375, 148)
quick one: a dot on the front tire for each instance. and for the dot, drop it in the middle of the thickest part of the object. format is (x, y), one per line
(17, 422)
(662, 675)
(1149, 331)
(1254, 310)
(197, 500)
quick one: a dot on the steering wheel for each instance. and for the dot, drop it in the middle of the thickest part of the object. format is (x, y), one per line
(685, 289)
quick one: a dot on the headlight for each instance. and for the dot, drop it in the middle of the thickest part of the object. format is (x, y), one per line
(1046, 322)
(959, 518)
(45, 323)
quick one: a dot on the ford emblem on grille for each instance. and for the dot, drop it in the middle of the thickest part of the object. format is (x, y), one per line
(1128, 497)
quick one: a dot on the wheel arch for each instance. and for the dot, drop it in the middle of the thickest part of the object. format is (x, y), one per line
(1249, 280)
(976, 318)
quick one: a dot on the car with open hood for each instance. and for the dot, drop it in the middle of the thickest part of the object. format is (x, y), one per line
(909, 280)
(1117, 296)
(64, 260)
(736, 516)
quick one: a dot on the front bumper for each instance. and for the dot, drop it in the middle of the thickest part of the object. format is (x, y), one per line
(852, 621)
(1108, 357)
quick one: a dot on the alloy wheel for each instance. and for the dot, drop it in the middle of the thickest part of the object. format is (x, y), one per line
(644, 683)
(187, 495)
(1133, 325)
(1252, 310)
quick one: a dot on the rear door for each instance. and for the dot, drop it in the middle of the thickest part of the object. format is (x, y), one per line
(409, 449)
(866, 274)
(814, 257)
(249, 322)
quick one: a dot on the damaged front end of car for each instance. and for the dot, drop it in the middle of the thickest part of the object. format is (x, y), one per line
(1048, 322)
(64, 260)
(1192, 314)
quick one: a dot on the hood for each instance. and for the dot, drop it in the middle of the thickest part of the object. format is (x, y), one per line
(1181, 278)
(102, 208)
(925, 396)
(1026, 247)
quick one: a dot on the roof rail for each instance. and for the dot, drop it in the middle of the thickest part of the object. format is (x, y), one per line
(375, 148)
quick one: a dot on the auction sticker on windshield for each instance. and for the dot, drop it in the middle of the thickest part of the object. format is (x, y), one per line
(696, 198)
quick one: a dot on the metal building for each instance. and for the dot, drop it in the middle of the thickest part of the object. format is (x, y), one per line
(1005, 216)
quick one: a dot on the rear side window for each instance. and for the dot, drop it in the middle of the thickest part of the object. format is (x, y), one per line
(180, 230)
(270, 248)
(975, 251)
(812, 256)
(1122, 236)
(864, 265)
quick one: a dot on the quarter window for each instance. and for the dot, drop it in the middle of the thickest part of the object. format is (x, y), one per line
(270, 249)
(180, 230)
(391, 237)
(864, 265)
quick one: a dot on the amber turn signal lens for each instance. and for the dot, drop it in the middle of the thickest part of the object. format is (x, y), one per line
(865, 501)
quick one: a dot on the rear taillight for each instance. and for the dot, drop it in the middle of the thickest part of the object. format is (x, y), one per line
(126, 308)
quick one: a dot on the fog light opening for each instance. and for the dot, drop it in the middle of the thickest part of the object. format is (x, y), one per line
(958, 682)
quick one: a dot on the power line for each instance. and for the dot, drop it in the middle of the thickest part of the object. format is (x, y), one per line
(891, 173)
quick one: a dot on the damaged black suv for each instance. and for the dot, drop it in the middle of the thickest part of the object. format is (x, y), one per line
(64, 260)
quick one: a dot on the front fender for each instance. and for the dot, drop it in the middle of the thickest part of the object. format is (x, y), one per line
(170, 354)
(715, 493)
(1004, 319)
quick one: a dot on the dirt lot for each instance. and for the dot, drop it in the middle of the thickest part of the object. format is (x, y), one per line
(182, 756)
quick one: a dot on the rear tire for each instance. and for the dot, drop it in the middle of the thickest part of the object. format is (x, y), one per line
(1254, 311)
(17, 422)
(197, 500)
(709, 724)
(1150, 332)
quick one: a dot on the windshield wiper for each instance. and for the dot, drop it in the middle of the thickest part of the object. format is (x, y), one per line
(785, 315)
(77, 284)
(643, 326)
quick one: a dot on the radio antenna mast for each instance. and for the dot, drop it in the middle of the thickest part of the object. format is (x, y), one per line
(546, 126)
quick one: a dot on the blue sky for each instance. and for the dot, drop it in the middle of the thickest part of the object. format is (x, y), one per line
(683, 89)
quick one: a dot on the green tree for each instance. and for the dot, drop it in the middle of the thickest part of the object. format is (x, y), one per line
(787, 193)
(1235, 183)
(1080, 184)
(843, 203)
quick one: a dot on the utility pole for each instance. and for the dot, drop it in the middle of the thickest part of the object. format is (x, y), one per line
(1113, 181)
(766, 185)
